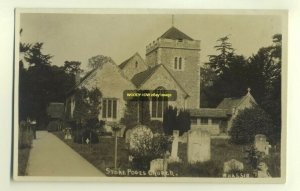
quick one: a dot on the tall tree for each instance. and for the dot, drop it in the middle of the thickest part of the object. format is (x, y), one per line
(98, 61)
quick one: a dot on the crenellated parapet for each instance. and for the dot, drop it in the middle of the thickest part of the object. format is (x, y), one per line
(170, 43)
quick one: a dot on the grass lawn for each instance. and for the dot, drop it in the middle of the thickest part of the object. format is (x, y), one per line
(23, 155)
(101, 155)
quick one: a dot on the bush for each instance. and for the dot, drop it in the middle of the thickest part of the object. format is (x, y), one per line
(25, 135)
(174, 120)
(148, 148)
(248, 123)
(156, 126)
(199, 169)
(81, 135)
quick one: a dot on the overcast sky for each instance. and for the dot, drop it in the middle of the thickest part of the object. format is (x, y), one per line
(80, 36)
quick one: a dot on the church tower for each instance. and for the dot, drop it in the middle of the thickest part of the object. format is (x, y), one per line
(180, 54)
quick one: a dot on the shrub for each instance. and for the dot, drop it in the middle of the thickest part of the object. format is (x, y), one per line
(248, 123)
(81, 135)
(156, 126)
(199, 169)
(147, 148)
(25, 135)
(174, 120)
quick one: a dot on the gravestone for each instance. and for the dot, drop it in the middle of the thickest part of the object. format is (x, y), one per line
(68, 133)
(263, 171)
(174, 157)
(127, 135)
(261, 144)
(183, 138)
(157, 165)
(232, 165)
(198, 146)
(140, 135)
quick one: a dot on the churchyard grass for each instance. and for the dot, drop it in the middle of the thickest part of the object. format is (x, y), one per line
(101, 155)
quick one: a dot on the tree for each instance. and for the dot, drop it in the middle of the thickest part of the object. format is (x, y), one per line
(225, 75)
(250, 122)
(87, 104)
(221, 61)
(169, 120)
(72, 67)
(183, 121)
(98, 61)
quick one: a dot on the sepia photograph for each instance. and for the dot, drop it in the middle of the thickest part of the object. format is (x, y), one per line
(150, 95)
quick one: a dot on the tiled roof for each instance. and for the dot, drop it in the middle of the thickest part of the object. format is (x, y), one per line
(175, 34)
(209, 112)
(229, 103)
(141, 77)
(123, 64)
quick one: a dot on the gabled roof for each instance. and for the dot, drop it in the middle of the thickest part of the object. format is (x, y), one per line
(229, 103)
(209, 112)
(141, 77)
(123, 64)
(175, 34)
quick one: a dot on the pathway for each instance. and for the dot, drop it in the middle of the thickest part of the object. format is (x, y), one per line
(50, 156)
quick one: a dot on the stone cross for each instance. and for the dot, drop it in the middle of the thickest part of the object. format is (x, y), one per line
(174, 151)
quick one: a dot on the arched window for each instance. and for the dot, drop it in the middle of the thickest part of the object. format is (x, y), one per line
(136, 64)
(175, 63)
(159, 104)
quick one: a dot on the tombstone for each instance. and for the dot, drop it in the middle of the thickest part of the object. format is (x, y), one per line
(156, 165)
(261, 144)
(68, 135)
(233, 165)
(183, 138)
(174, 151)
(127, 135)
(139, 135)
(198, 146)
(263, 171)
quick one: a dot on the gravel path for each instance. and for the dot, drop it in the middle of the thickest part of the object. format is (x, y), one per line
(50, 156)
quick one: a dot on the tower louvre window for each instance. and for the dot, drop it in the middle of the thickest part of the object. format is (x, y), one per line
(136, 64)
(175, 63)
(179, 63)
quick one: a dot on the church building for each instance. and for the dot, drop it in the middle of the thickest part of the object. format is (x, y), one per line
(172, 62)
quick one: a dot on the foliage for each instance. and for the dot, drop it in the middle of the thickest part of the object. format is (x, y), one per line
(25, 135)
(174, 120)
(156, 126)
(131, 116)
(250, 122)
(98, 61)
(229, 75)
(183, 121)
(40, 83)
(253, 157)
(169, 120)
(148, 148)
(199, 169)
(72, 67)
(87, 104)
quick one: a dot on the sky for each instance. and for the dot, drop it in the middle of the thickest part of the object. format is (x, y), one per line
(78, 37)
